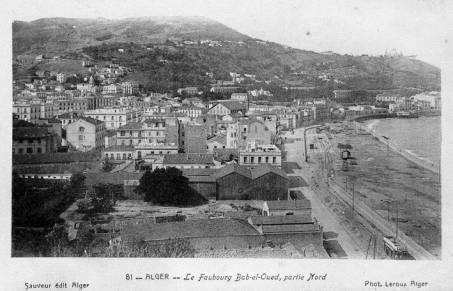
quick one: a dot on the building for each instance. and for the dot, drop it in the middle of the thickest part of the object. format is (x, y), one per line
(85, 88)
(254, 131)
(343, 94)
(388, 98)
(61, 77)
(255, 154)
(227, 108)
(193, 138)
(260, 182)
(119, 152)
(224, 90)
(188, 161)
(151, 131)
(191, 111)
(188, 90)
(49, 110)
(115, 117)
(244, 97)
(34, 140)
(431, 98)
(86, 134)
(96, 101)
(68, 118)
(28, 111)
(216, 142)
(111, 89)
(72, 105)
(129, 88)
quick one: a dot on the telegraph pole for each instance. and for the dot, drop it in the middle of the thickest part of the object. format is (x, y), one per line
(353, 196)
(396, 235)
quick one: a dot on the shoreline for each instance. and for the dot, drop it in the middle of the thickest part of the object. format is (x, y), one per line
(411, 158)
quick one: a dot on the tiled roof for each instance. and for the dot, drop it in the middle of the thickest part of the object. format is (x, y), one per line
(111, 178)
(263, 169)
(154, 120)
(250, 172)
(281, 219)
(221, 138)
(91, 120)
(131, 125)
(55, 158)
(285, 228)
(29, 132)
(52, 168)
(119, 148)
(232, 105)
(221, 227)
(173, 159)
(233, 168)
(67, 115)
(289, 204)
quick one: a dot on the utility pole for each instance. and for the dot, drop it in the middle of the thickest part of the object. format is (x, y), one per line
(374, 250)
(353, 197)
(346, 183)
(396, 235)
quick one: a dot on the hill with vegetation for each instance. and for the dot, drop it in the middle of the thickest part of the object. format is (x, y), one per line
(169, 52)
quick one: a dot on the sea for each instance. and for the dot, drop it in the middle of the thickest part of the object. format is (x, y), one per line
(420, 137)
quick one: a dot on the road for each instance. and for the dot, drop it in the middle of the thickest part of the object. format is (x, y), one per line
(324, 214)
(324, 152)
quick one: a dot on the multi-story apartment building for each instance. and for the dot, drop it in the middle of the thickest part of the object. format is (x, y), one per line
(61, 77)
(254, 131)
(86, 134)
(151, 131)
(255, 154)
(95, 102)
(115, 117)
(87, 88)
(27, 110)
(191, 111)
(34, 140)
(72, 105)
(49, 109)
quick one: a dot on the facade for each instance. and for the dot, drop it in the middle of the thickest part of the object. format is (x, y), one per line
(254, 131)
(191, 111)
(114, 117)
(188, 161)
(72, 105)
(129, 88)
(244, 97)
(188, 90)
(287, 207)
(86, 134)
(216, 142)
(28, 111)
(260, 154)
(229, 107)
(34, 140)
(151, 131)
(194, 138)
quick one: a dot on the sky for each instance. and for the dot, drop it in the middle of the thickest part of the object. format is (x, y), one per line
(412, 27)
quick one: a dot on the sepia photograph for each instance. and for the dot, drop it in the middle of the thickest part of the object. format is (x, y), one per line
(287, 132)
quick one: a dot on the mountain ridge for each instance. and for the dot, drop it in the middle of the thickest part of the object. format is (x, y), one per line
(239, 52)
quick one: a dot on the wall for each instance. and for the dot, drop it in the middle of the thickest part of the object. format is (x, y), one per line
(232, 186)
(207, 189)
(89, 135)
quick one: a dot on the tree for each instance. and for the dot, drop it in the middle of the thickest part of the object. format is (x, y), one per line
(78, 182)
(168, 187)
(107, 165)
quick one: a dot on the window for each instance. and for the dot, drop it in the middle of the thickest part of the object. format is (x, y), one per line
(245, 159)
(122, 133)
(267, 159)
(124, 156)
(274, 160)
(21, 151)
(39, 150)
(81, 129)
(118, 156)
(259, 160)
(81, 137)
(252, 160)
(29, 150)
(112, 156)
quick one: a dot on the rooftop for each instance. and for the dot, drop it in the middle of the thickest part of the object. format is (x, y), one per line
(55, 158)
(30, 132)
(289, 204)
(250, 172)
(188, 159)
(221, 227)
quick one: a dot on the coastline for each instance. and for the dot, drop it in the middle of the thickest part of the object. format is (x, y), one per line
(412, 158)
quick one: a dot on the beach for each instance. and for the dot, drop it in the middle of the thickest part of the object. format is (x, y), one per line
(393, 182)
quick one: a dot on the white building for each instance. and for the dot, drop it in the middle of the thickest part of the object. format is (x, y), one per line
(255, 154)
(115, 117)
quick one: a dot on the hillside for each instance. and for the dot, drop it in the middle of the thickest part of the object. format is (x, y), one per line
(158, 58)
(56, 35)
